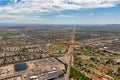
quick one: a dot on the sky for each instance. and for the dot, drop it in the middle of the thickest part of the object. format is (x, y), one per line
(60, 11)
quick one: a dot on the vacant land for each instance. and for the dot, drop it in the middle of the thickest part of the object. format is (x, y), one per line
(77, 75)
(59, 46)
(9, 34)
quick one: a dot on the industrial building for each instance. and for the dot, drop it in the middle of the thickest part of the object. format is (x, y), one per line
(42, 69)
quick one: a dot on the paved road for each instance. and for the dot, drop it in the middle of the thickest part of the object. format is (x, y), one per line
(26, 35)
(70, 50)
(117, 57)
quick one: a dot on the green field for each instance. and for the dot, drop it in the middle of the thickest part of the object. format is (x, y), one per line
(59, 46)
(77, 75)
(9, 35)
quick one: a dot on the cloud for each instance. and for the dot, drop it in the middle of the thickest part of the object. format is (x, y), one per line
(65, 16)
(4, 16)
(57, 5)
(19, 18)
(28, 7)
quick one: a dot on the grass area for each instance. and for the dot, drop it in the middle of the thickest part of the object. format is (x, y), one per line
(77, 75)
(85, 51)
(9, 35)
(114, 76)
(59, 46)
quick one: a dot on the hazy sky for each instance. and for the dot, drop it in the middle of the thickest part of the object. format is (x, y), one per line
(60, 11)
